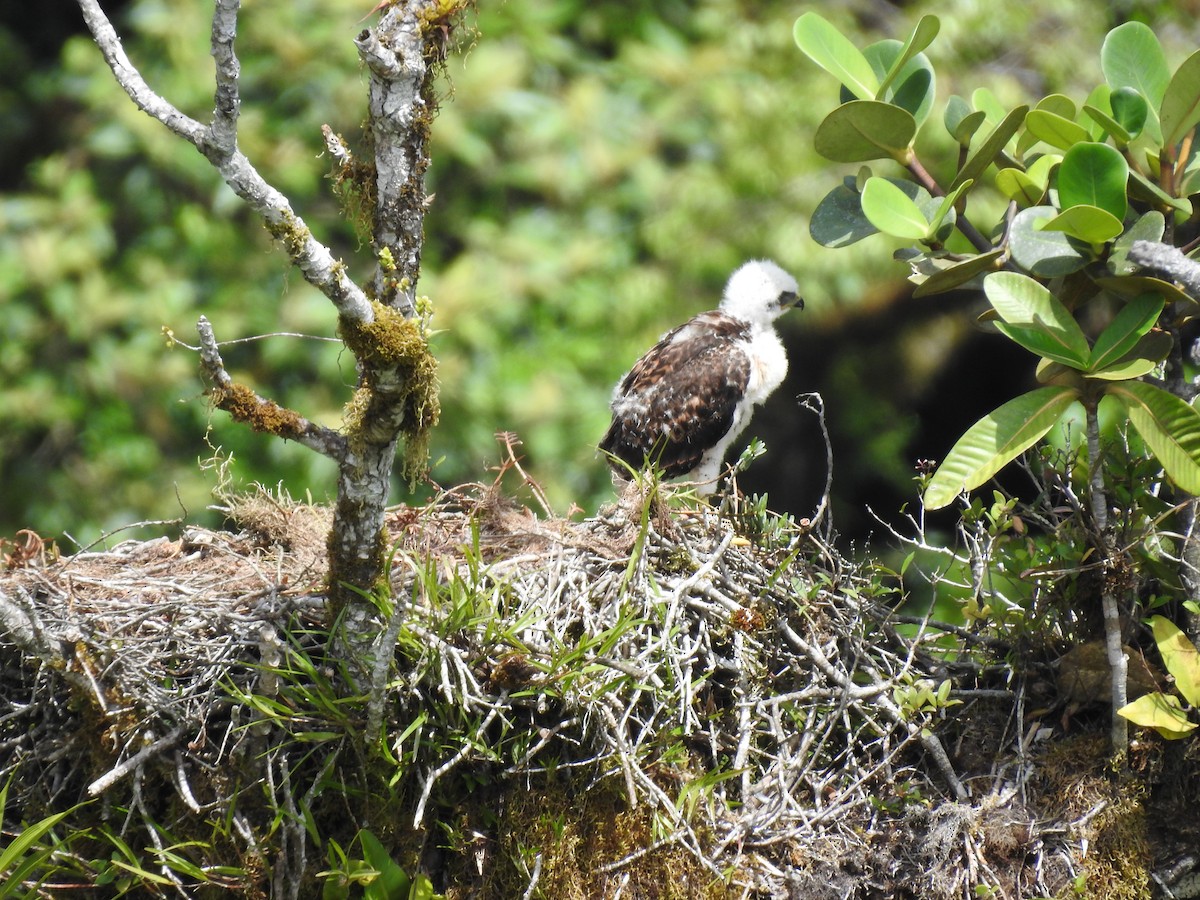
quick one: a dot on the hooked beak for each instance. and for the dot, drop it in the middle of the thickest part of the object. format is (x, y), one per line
(790, 298)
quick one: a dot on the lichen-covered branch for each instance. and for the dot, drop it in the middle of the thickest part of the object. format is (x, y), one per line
(396, 398)
(218, 143)
(261, 414)
(401, 106)
(1167, 260)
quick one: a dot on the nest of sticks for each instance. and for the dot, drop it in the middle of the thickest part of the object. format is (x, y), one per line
(729, 680)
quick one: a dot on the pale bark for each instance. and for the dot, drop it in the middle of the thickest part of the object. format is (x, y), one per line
(1114, 645)
(398, 53)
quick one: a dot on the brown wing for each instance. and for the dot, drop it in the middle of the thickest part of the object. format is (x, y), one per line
(681, 397)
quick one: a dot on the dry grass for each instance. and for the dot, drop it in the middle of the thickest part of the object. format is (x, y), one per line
(733, 711)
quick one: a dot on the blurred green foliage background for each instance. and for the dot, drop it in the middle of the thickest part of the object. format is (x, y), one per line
(599, 169)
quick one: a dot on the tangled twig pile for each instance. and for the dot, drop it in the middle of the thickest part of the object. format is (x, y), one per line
(743, 706)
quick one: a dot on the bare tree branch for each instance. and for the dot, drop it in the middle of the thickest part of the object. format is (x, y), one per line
(218, 143)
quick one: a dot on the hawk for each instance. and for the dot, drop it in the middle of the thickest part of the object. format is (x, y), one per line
(690, 396)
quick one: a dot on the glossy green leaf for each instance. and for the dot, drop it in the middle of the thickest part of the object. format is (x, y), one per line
(891, 211)
(1046, 254)
(1130, 109)
(1017, 185)
(1142, 188)
(1058, 105)
(1162, 712)
(1087, 223)
(991, 147)
(912, 88)
(958, 274)
(1098, 100)
(1148, 227)
(422, 888)
(988, 103)
(1180, 111)
(1168, 425)
(945, 208)
(1132, 57)
(1135, 285)
(961, 120)
(1179, 656)
(1050, 372)
(1135, 319)
(838, 220)
(1145, 356)
(821, 42)
(392, 883)
(922, 36)
(1054, 129)
(1109, 125)
(863, 130)
(1093, 174)
(996, 440)
(1024, 303)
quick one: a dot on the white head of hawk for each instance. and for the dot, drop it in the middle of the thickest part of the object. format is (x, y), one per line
(687, 399)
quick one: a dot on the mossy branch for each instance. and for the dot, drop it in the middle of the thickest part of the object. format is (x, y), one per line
(261, 414)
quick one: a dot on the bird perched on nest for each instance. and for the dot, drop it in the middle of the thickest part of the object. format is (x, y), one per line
(687, 399)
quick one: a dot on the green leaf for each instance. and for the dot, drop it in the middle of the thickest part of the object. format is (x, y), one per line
(26, 841)
(1099, 100)
(1046, 254)
(1087, 223)
(1032, 183)
(1130, 109)
(1142, 188)
(922, 36)
(987, 102)
(961, 121)
(945, 209)
(422, 889)
(838, 220)
(1049, 372)
(996, 440)
(1110, 125)
(392, 883)
(1145, 356)
(1054, 129)
(959, 274)
(891, 211)
(1094, 174)
(913, 88)
(1179, 656)
(1170, 428)
(1025, 304)
(863, 130)
(1180, 109)
(1058, 106)
(821, 42)
(1162, 712)
(1132, 57)
(1136, 285)
(1017, 185)
(1148, 227)
(991, 147)
(1128, 326)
